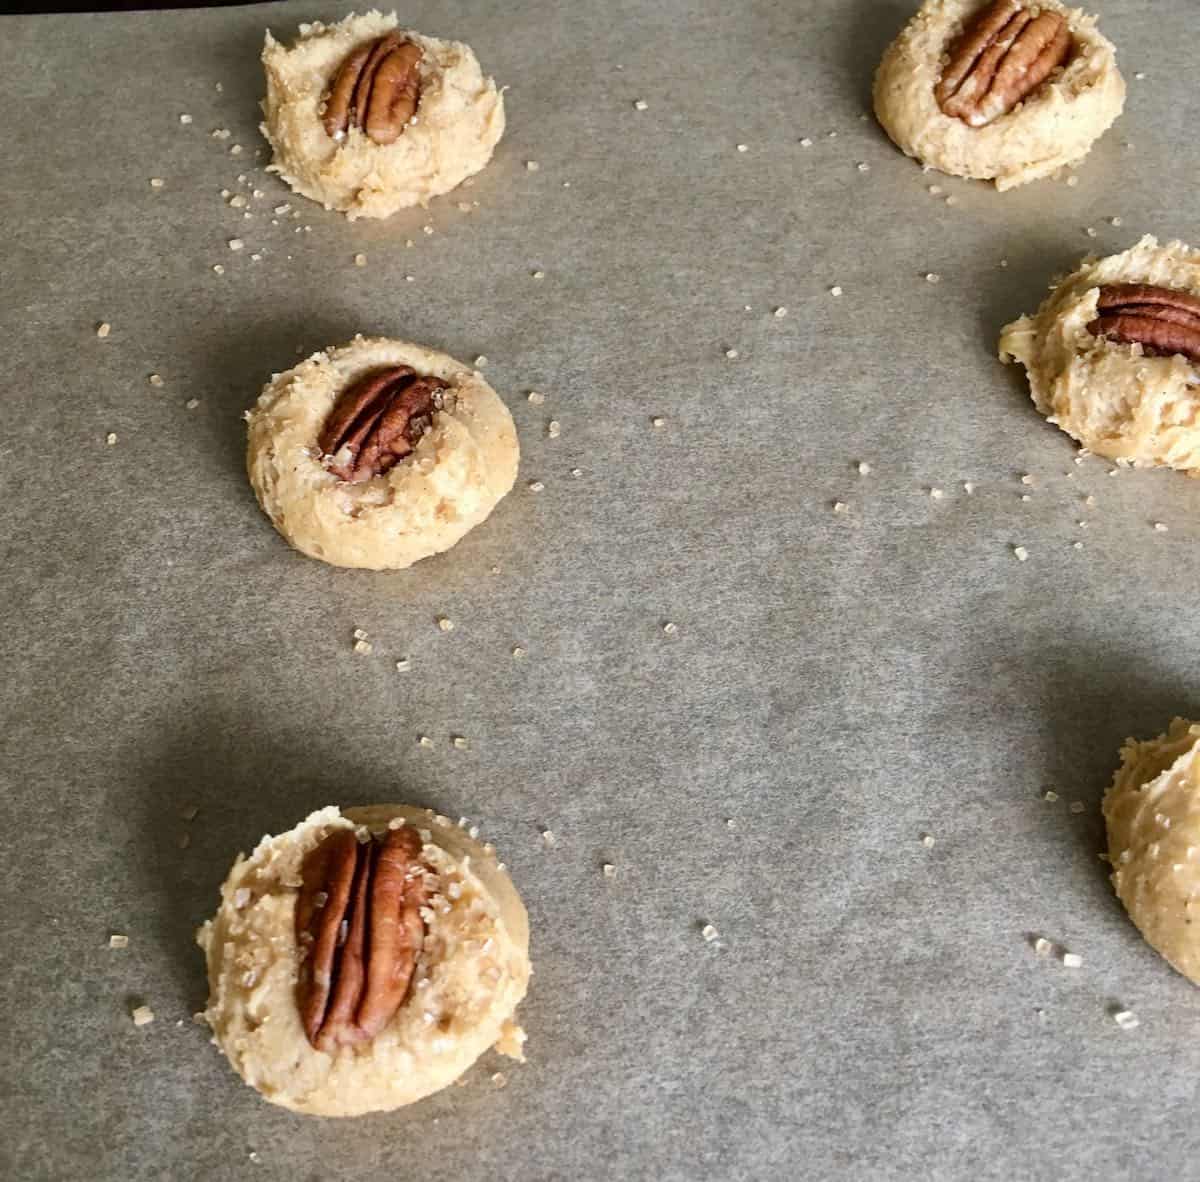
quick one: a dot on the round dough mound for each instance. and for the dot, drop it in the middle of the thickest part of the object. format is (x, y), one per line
(1117, 402)
(457, 474)
(460, 119)
(1153, 815)
(472, 972)
(1055, 126)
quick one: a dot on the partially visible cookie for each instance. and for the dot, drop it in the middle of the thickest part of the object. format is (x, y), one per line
(369, 118)
(1113, 355)
(379, 453)
(365, 959)
(998, 90)
(1153, 816)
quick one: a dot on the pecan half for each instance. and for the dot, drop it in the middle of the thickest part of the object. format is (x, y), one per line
(376, 88)
(1162, 320)
(359, 914)
(378, 421)
(1000, 59)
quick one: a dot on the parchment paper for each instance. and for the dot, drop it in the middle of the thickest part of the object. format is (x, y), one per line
(839, 684)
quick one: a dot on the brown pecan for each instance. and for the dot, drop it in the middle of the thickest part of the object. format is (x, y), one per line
(1000, 59)
(359, 916)
(376, 88)
(1162, 320)
(378, 421)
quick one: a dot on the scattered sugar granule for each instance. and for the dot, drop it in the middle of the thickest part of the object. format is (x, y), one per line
(1026, 497)
(410, 279)
(185, 119)
(445, 623)
(220, 133)
(1072, 181)
(103, 329)
(743, 147)
(110, 438)
(832, 135)
(536, 486)
(1115, 221)
(192, 403)
(424, 741)
(779, 312)
(1042, 946)
(838, 506)
(553, 429)
(190, 812)
(236, 244)
(863, 166)
(459, 741)
(835, 290)
(539, 274)
(548, 836)
(951, 200)
(360, 634)
(1126, 1019)
(1072, 960)
(670, 627)
(360, 260)
(864, 469)
(1050, 795)
(156, 182)
(464, 207)
(1076, 545)
(236, 150)
(116, 941)
(1140, 75)
(608, 870)
(218, 269)
(1077, 806)
(480, 361)
(142, 1016)
(928, 840)
(640, 105)
(518, 652)
(731, 353)
(280, 210)
(363, 647)
(499, 1079)
(535, 397)
(932, 277)
(1020, 553)
(424, 229)
(806, 142)
(403, 665)
(968, 487)
(936, 494)
(532, 166)
(155, 379)
(709, 933)
(658, 422)
(1090, 231)
(1089, 499)
(1160, 527)
(238, 201)
(576, 471)
(256, 257)
(1026, 479)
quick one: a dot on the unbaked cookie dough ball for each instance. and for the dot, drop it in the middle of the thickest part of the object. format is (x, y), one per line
(998, 90)
(1113, 355)
(368, 118)
(364, 960)
(379, 453)
(1153, 815)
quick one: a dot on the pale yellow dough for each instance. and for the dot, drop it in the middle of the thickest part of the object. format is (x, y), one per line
(459, 120)
(1055, 126)
(472, 972)
(1153, 815)
(1138, 410)
(457, 474)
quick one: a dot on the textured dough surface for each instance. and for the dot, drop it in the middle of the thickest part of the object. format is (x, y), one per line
(1117, 402)
(457, 474)
(1055, 126)
(460, 119)
(472, 972)
(1153, 816)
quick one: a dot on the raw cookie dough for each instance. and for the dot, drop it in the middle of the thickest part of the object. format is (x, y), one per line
(1153, 815)
(471, 972)
(1111, 396)
(1056, 124)
(459, 119)
(458, 471)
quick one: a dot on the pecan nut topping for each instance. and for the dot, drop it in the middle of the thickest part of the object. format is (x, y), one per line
(1001, 58)
(1162, 320)
(376, 88)
(378, 421)
(359, 915)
